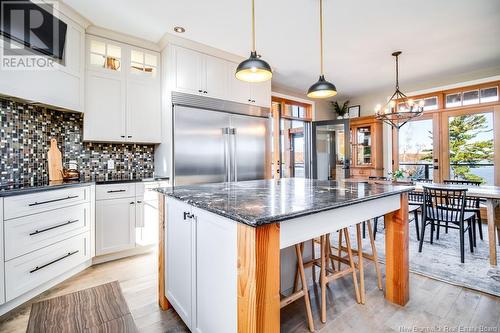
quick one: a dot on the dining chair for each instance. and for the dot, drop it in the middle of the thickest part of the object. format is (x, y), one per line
(446, 206)
(471, 205)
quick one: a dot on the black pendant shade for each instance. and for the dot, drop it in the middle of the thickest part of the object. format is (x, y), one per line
(322, 89)
(254, 69)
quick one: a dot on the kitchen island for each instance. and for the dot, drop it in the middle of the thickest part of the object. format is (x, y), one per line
(220, 244)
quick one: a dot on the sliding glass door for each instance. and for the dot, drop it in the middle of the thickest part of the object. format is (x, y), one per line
(416, 149)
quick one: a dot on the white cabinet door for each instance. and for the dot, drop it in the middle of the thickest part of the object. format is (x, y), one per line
(188, 71)
(216, 77)
(179, 254)
(261, 94)
(143, 110)
(147, 223)
(239, 91)
(2, 276)
(104, 118)
(115, 225)
(216, 274)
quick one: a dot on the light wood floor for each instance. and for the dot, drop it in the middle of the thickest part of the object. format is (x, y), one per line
(433, 303)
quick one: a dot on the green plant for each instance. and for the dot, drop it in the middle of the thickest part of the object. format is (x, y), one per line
(397, 174)
(340, 111)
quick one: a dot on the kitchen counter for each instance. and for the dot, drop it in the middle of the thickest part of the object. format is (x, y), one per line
(7, 190)
(261, 202)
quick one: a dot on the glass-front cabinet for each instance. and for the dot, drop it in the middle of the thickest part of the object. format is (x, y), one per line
(366, 147)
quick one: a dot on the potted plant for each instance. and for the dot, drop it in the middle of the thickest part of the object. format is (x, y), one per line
(399, 176)
(341, 111)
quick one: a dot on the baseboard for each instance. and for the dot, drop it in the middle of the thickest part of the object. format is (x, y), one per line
(12, 304)
(122, 254)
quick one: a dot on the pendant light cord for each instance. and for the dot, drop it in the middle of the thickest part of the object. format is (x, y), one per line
(321, 35)
(253, 26)
(397, 73)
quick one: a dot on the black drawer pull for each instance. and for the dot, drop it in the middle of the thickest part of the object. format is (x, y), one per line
(36, 232)
(37, 268)
(49, 201)
(116, 191)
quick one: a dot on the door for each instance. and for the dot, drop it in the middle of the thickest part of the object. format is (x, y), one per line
(115, 225)
(143, 111)
(147, 222)
(215, 77)
(188, 71)
(179, 254)
(200, 146)
(249, 147)
(104, 118)
(331, 149)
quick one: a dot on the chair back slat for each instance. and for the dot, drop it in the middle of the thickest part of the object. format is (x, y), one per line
(470, 203)
(444, 205)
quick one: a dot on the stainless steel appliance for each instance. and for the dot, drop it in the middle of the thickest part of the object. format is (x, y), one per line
(218, 141)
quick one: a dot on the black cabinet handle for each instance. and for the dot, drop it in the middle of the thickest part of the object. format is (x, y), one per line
(249, 100)
(49, 201)
(36, 232)
(205, 92)
(188, 215)
(139, 202)
(37, 268)
(129, 136)
(200, 90)
(116, 191)
(132, 203)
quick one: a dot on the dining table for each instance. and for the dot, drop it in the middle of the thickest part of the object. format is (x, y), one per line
(488, 194)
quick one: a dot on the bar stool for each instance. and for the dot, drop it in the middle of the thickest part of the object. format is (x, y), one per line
(327, 275)
(359, 265)
(303, 291)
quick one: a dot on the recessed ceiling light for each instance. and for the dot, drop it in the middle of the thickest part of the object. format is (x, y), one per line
(179, 30)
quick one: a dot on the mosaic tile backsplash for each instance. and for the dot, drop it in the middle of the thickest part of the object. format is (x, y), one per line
(25, 135)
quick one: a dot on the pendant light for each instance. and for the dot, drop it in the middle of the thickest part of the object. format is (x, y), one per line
(322, 88)
(254, 69)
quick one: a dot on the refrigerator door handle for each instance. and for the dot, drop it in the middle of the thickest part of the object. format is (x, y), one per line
(233, 154)
(227, 156)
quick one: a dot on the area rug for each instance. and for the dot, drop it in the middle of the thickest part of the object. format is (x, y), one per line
(441, 260)
(98, 309)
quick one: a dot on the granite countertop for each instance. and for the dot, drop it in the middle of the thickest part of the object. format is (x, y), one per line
(7, 190)
(260, 202)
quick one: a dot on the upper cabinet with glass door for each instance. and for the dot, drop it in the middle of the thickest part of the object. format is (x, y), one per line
(143, 63)
(104, 55)
(363, 146)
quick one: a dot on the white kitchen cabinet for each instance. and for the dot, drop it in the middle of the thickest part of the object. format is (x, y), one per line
(188, 74)
(58, 86)
(249, 93)
(123, 96)
(260, 94)
(115, 225)
(2, 264)
(179, 256)
(216, 83)
(104, 118)
(146, 223)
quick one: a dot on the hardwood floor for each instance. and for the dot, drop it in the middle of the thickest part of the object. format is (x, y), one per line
(431, 303)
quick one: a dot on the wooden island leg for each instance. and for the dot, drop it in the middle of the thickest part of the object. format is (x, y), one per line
(258, 278)
(162, 300)
(397, 260)
(492, 216)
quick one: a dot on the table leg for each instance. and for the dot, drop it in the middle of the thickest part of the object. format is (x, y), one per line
(490, 212)
(258, 278)
(397, 260)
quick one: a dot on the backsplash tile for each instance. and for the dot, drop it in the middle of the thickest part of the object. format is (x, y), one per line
(25, 135)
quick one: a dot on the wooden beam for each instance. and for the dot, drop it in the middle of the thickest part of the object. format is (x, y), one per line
(258, 278)
(162, 300)
(397, 259)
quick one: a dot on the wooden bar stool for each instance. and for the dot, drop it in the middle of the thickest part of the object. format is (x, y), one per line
(327, 275)
(303, 291)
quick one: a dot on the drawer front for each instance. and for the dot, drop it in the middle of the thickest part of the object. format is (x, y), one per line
(115, 191)
(32, 232)
(23, 205)
(33, 269)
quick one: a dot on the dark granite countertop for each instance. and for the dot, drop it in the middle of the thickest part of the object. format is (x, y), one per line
(7, 190)
(260, 202)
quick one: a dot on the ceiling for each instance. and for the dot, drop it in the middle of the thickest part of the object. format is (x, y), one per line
(439, 39)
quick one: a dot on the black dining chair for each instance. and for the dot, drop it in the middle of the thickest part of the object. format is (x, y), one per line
(471, 205)
(444, 206)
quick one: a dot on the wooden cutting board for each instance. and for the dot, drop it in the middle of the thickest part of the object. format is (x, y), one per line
(55, 161)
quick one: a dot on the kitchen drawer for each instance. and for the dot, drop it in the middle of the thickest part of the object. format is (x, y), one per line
(36, 268)
(32, 232)
(27, 204)
(115, 191)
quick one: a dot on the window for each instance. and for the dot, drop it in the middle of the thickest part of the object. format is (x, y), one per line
(141, 62)
(453, 100)
(105, 55)
(489, 95)
(470, 97)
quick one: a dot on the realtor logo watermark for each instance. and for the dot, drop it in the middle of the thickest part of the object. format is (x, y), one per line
(29, 35)
(449, 329)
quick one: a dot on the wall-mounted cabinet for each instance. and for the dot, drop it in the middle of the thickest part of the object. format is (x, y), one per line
(122, 93)
(366, 141)
(58, 85)
(197, 73)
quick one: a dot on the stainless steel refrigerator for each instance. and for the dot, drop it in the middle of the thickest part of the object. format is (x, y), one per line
(218, 141)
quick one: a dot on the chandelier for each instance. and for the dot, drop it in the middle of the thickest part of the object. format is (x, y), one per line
(400, 109)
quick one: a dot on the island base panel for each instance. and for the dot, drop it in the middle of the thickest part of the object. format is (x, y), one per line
(258, 278)
(397, 256)
(162, 299)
